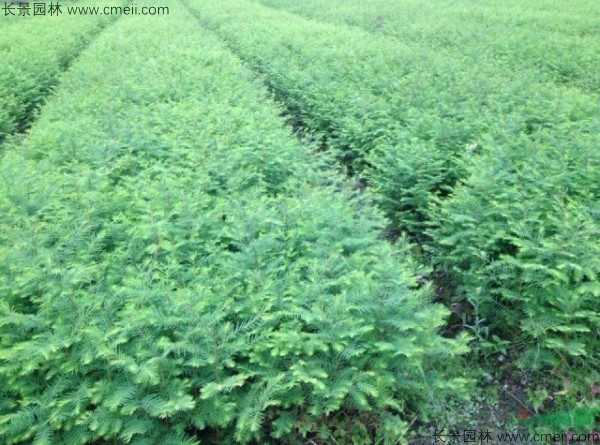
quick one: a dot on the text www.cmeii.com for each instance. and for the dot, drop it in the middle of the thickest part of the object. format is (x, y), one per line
(56, 8)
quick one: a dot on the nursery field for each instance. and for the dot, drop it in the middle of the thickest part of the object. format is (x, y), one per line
(34, 52)
(299, 222)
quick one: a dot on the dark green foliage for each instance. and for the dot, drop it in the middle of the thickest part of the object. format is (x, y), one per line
(522, 237)
(174, 266)
(405, 178)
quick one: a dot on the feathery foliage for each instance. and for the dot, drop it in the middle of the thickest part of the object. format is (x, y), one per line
(34, 52)
(484, 149)
(401, 114)
(176, 267)
(558, 40)
(522, 238)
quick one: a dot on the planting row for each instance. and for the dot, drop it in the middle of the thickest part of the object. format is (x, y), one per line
(409, 112)
(34, 52)
(521, 237)
(417, 124)
(562, 43)
(175, 266)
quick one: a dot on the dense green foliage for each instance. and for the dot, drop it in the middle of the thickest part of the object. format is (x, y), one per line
(406, 112)
(175, 266)
(507, 127)
(33, 53)
(560, 40)
(369, 100)
(522, 239)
